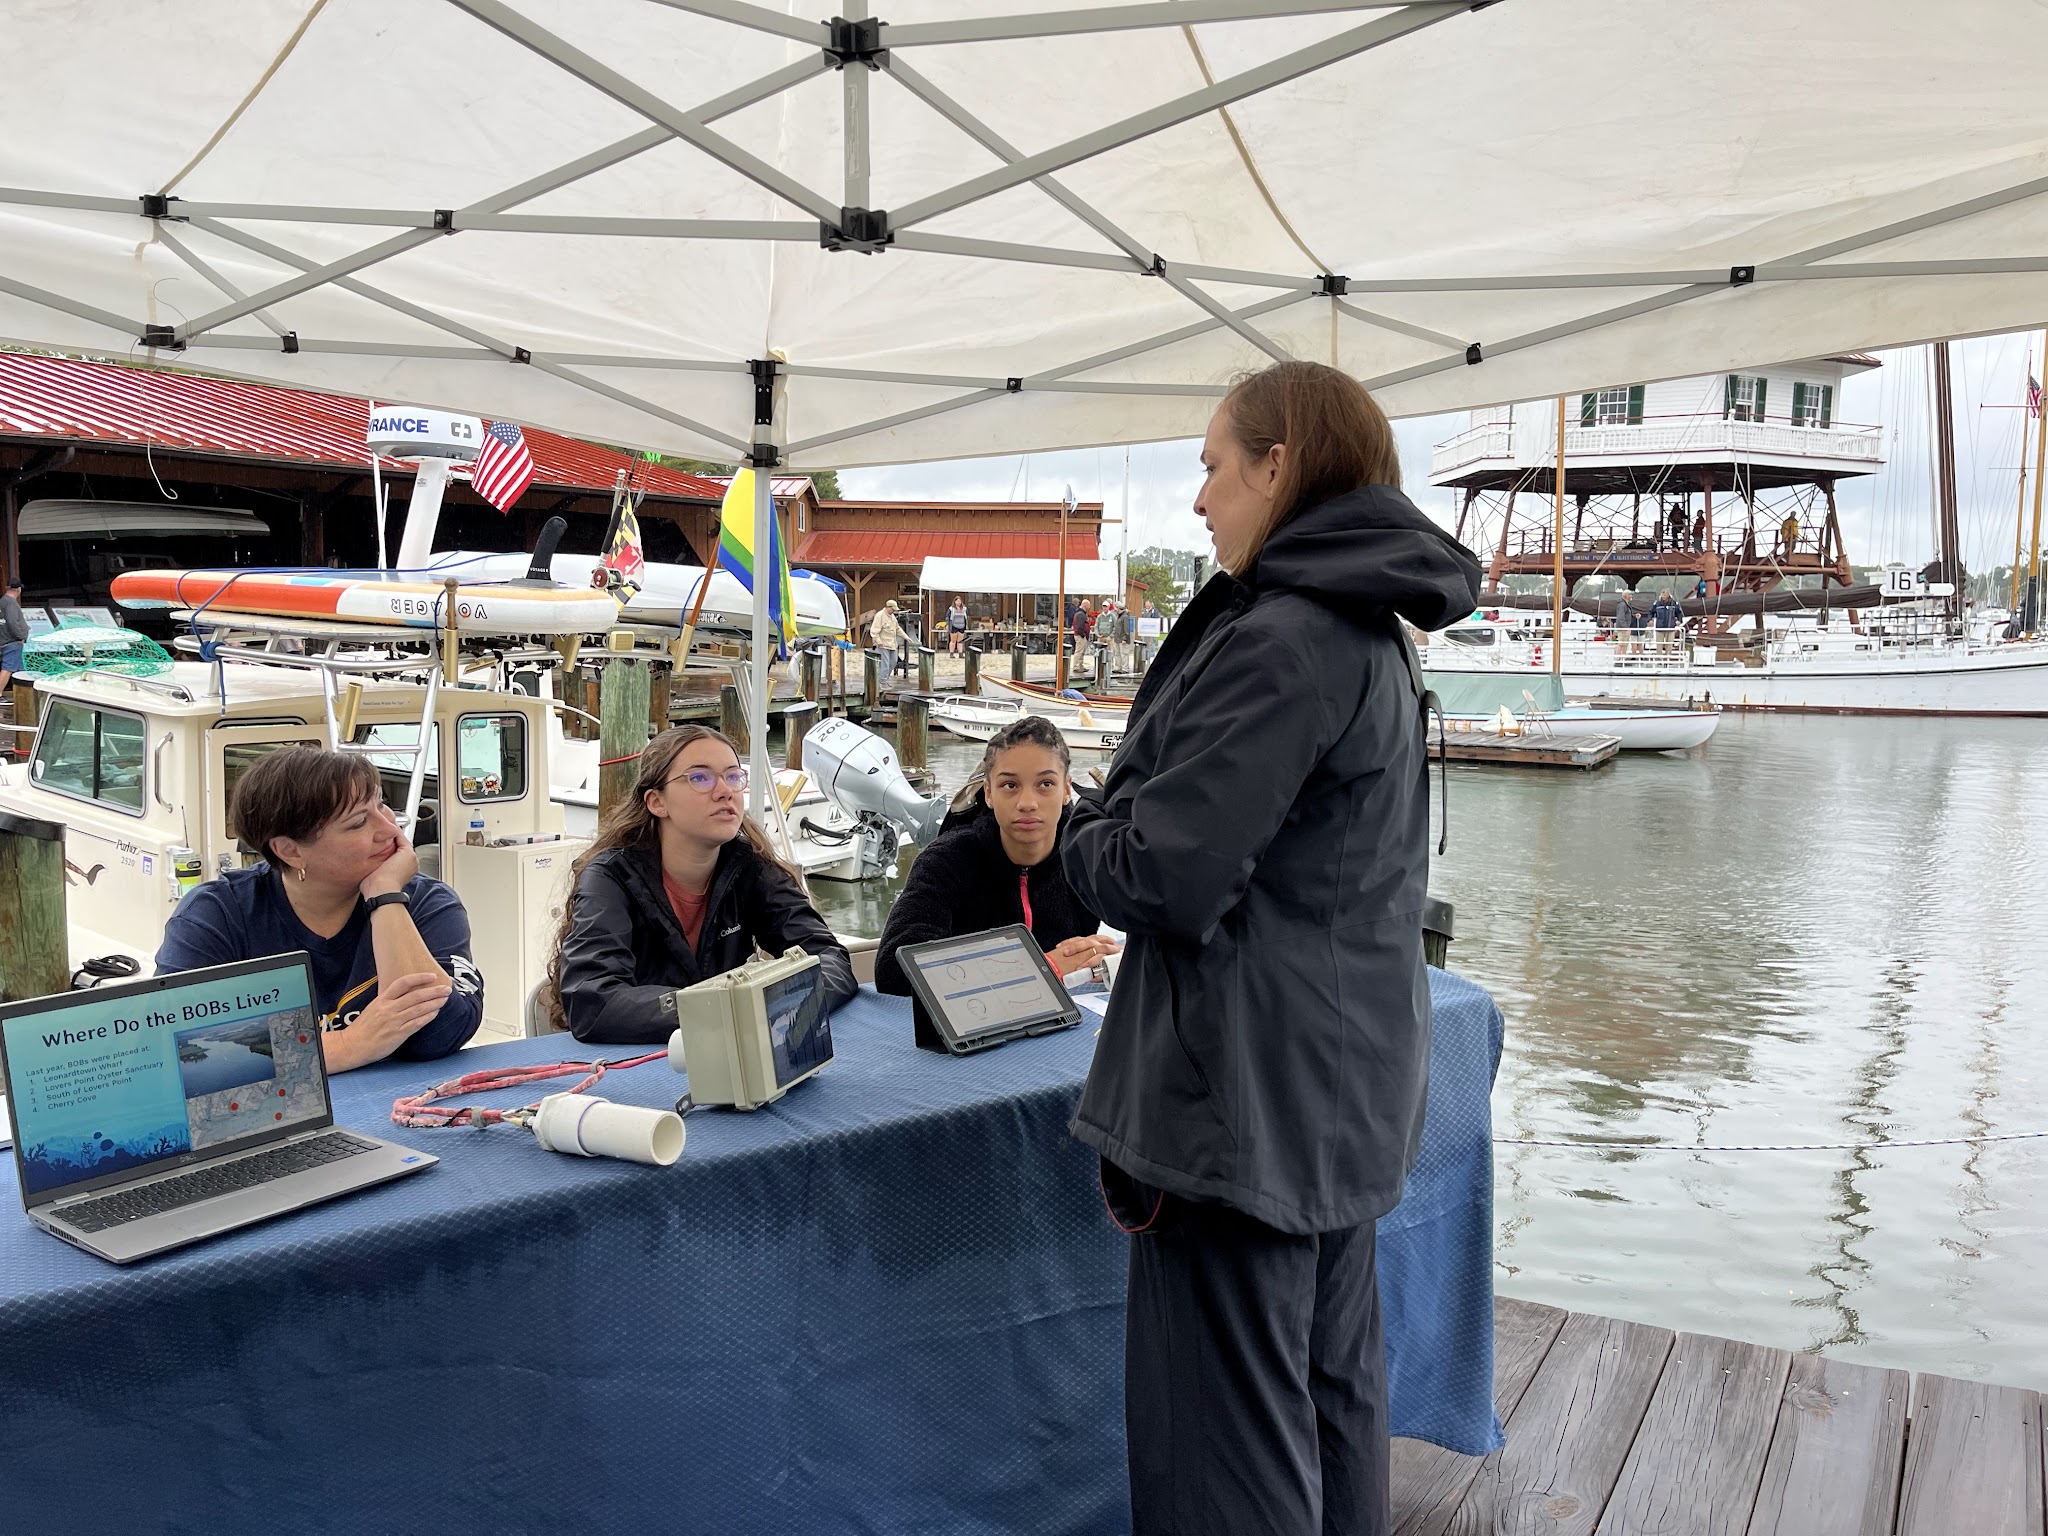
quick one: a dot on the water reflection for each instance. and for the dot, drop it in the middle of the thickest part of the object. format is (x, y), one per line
(1814, 930)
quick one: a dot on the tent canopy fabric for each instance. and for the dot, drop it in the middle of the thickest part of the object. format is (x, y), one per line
(702, 225)
(945, 574)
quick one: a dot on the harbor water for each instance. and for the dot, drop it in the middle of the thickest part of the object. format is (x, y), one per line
(1814, 930)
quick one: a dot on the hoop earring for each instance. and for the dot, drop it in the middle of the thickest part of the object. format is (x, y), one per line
(302, 874)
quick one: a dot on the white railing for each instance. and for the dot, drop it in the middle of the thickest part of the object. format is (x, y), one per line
(1665, 438)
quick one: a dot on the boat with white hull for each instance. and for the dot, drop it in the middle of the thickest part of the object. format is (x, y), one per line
(1832, 670)
(1086, 729)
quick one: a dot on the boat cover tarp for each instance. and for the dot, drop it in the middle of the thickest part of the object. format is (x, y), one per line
(593, 217)
(953, 573)
(1479, 693)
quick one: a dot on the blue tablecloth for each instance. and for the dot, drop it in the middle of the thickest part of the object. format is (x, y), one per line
(890, 1302)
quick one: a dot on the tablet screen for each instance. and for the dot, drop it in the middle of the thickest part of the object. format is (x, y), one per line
(988, 981)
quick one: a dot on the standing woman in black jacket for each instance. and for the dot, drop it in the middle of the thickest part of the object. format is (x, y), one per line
(678, 887)
(1256, 1095)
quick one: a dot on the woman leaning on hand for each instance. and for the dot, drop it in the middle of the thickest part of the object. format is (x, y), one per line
(1257, 1091)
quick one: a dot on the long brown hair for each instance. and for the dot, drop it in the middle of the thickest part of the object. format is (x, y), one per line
(630, 824)
(1337, 437)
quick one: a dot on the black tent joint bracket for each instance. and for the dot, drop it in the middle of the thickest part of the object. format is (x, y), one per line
(764, 370)
(162, 336)
(155, 205)
(1158, 267)
(1740, 276)
(859, 229)
(764, 456)
(444, 220)
(1014, 385)
(855, 42)
(521, 355)
(1474, 354)
(290, 341)
(1334, 287)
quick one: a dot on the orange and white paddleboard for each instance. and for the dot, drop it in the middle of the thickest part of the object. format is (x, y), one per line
(480, 607)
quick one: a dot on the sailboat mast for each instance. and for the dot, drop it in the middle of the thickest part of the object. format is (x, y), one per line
(2019, 521)
(2033, 604)
(1557, 557)
(1948, 555)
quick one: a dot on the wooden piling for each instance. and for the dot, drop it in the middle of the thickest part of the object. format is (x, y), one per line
(972, 687)
(912, 731)
(797, 720)
(871, 679)
(925, 658)
(732, 719)
(1017, 662)
(35, 958)
(622, 733)
(807, 674)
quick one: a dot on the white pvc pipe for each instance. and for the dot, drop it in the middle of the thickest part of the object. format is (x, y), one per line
(583, 1126)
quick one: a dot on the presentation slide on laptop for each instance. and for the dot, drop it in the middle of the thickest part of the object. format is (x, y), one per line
(103, 1088)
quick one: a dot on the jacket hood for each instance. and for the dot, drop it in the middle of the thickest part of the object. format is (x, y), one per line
(1371, 551)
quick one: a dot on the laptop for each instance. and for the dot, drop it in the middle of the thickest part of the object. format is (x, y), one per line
(155, 1113)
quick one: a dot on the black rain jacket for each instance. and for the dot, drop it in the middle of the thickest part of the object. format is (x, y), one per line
(625, 955)
(1263, 839)
(964, 883)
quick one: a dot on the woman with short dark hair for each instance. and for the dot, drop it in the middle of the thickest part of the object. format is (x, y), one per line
(1257, 1091)
(679, 886)
(996, 860)
(392, 973)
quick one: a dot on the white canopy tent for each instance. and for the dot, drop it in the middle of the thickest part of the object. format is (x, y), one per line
(734, 230)
(942, 574)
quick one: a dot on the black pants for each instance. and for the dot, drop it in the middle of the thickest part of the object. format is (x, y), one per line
(1255, 1376)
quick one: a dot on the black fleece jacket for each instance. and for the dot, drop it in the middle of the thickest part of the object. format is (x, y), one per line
(625, 955)
(1263, 839)
(964, 882)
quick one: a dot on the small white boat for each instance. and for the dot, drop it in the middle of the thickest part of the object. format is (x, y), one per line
(1086, 729)
(1638, 729)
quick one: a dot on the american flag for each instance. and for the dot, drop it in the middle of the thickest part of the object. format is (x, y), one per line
(2033, 396)
(503, 468)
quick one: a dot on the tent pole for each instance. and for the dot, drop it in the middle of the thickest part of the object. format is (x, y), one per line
(757, 701)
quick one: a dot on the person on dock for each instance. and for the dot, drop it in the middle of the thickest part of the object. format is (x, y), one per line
(956, 627)
(392, 971)
(995, 860)
(1666, 615)
(13, 632)
(679, 886)
(886, 635)
(1256, 1094)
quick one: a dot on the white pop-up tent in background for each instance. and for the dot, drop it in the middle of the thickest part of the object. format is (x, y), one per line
(817, 237)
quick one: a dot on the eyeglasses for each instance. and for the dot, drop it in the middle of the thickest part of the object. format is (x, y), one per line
(704, 781)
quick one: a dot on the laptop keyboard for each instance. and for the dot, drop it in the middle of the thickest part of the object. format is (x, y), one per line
(206, 1183)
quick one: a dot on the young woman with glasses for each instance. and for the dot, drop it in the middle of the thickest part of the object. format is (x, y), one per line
(678, 887)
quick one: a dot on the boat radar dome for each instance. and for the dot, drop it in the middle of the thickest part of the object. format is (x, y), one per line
(433, 440)
(413, 432)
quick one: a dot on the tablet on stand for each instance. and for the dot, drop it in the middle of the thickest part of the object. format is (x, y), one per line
(977, 990)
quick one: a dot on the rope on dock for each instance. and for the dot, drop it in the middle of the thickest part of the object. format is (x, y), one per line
(1804, 1146)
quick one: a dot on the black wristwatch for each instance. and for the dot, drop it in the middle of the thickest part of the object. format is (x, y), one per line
(387, 899)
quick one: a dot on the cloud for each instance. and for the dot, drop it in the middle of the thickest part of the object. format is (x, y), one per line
(1886, 516)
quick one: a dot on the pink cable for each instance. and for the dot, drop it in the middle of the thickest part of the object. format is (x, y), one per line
(413, 1111)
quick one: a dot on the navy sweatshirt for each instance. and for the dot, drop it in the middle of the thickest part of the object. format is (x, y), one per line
(244, 915)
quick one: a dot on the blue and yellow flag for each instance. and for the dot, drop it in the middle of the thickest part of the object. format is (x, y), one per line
(736, 553)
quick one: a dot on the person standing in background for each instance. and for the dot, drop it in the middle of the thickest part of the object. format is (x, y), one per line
(886, 635)
(13, 632)
(956, 626)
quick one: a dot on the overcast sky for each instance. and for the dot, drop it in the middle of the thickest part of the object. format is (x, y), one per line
(1886, 516)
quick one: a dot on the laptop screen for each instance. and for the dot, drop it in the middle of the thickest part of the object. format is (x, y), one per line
(107, 1083)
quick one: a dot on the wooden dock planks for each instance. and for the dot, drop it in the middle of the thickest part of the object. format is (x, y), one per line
(1700, 1452)
(1620, 1429)
(1973, 1461)
(1525, 751)
(1837, 1453)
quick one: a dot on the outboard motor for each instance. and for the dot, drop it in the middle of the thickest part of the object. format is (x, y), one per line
(858, 770)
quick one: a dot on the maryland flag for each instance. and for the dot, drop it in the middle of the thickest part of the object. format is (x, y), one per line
(736, 553)
(623, 571)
